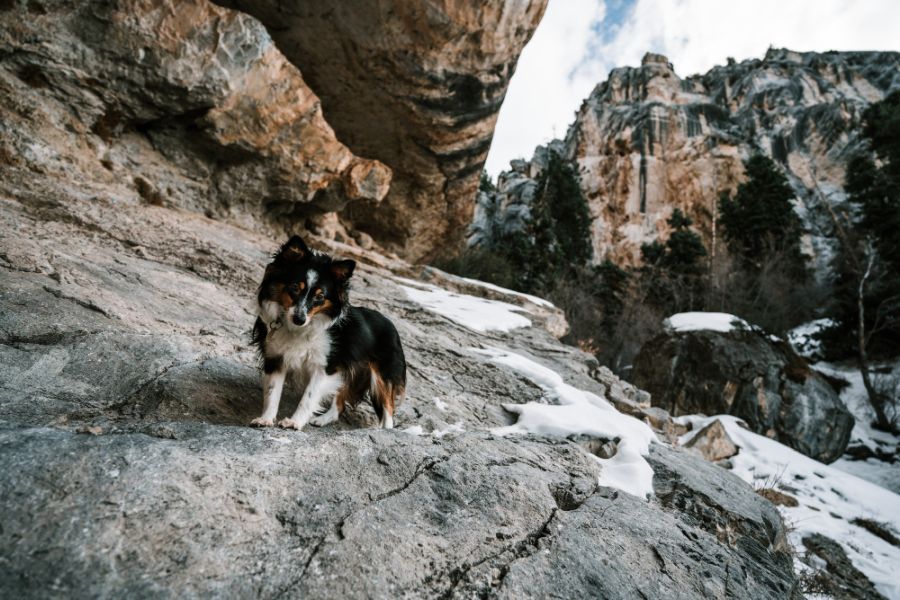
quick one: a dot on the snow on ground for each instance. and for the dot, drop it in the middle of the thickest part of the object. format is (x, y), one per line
(503, 290)
(804, 338)
(574, 411)
(452, 428)
(710, 321)
(829, 499)
(478, 314)
(857, 402)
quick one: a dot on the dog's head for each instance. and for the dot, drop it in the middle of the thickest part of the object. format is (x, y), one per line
(302, 286)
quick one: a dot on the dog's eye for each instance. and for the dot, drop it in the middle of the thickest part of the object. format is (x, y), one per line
(293, 288)
(319, 298)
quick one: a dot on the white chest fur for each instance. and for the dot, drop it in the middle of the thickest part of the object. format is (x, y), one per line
(302, 348)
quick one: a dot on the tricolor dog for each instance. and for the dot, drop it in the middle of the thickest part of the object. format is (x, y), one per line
(307, 329)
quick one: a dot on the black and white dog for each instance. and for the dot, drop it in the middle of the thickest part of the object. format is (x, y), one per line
(307, 328)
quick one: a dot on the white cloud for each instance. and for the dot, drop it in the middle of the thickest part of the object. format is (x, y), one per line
(571, 52)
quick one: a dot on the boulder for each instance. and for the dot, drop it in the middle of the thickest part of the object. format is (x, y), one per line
(746, 373)
(832, 574)
(712, 443)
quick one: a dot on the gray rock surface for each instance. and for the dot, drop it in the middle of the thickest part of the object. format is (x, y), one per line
(745, 373)
(128, 469)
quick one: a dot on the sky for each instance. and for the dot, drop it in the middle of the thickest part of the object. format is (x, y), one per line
(579, 41)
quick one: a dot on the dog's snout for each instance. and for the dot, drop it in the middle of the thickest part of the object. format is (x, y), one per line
(298, 319)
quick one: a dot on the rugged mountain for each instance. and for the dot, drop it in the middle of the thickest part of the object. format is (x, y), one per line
(415, 85)
(152, 154)
(647, 141)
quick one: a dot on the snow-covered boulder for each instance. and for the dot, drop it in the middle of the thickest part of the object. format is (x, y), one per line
(713, 363)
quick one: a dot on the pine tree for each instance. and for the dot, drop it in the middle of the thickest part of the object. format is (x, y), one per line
(760, 219)
(559, 228)
(674, 270)
(867, 284)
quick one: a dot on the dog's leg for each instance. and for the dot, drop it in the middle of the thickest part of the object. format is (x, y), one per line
(382, 396)
(329, 416)
(320, 387)
(273, 383)
(337, 407)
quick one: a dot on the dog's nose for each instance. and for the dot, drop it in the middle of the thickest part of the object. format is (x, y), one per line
(298, 320)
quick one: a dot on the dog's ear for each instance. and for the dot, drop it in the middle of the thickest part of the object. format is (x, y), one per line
(342, 269)
(294, 249)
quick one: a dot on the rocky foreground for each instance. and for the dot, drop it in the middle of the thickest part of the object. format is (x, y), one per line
(128, 468)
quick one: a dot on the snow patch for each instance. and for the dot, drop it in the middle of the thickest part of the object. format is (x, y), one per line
(455, 428)
(576, 411)
(508, 292)
(440, 404)
(804, 340)
(477, 314)
(704, 321)
(829, 499)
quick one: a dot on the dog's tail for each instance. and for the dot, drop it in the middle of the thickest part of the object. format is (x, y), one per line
(387, 389)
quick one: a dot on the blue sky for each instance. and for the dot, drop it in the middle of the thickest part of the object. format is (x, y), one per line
(579, 41)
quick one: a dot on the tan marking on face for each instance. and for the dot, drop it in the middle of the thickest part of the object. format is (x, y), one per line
(284, 298)
(320, 308)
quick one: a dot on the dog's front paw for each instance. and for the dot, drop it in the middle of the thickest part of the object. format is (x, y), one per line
(260, 422)
(289, 424)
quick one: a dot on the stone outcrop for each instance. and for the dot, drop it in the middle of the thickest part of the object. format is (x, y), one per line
(416, 86)
(713, 443)
(647, 141)
(745, 373)
(192, 103)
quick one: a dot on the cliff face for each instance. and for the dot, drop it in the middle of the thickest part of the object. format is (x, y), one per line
(188, 104)
(646, 142)
(415, 85)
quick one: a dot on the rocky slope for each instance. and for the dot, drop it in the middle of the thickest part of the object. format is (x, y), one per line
(150, 155)
(647, 141)
(417, 86)
(128, 468)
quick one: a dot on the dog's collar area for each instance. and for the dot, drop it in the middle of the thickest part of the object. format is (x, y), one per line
(276, 324)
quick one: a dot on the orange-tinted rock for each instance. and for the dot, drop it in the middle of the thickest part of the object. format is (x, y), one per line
(417, 86)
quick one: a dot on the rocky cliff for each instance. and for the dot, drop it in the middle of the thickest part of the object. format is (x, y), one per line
(152, 153)
(647, 141)
(415, 85)
(186, 104)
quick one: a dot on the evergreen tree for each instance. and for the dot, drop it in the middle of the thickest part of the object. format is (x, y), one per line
(874, 192)
(867, 287)
(558, 231)
(760, 219)
(485, 184)
(674, 271)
